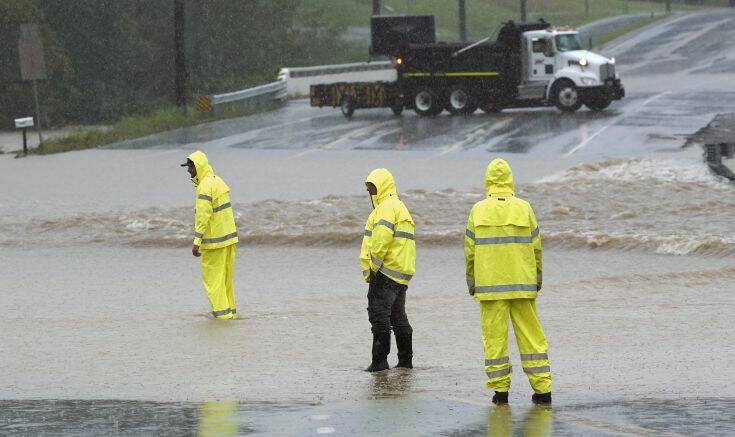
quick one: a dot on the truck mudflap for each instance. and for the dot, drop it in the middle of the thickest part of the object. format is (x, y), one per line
(611, 90)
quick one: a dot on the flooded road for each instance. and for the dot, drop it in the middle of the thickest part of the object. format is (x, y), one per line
(104, 326)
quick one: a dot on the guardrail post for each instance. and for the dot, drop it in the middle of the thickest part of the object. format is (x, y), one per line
(203, 103)
(712, 154)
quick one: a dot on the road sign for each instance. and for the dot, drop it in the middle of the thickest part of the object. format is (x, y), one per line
(32, 64)
(23, 122)
(30, 48)
(204, 103)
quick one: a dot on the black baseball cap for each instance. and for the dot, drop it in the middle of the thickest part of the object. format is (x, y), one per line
(187, 163)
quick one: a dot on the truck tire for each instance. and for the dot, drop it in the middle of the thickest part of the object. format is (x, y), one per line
(460, 101)
(347, 105)
(426, 103)
(597, 104)
(565, 96)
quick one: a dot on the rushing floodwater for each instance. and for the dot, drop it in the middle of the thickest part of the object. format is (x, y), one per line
(660, 206)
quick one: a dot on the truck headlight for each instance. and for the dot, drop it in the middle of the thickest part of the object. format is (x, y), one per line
(587, 81)
(583, 62)
(612, 61)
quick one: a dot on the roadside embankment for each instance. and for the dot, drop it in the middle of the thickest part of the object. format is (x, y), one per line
(138, 126)
(718, 141)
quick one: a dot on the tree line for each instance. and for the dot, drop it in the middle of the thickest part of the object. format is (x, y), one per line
(109, 58)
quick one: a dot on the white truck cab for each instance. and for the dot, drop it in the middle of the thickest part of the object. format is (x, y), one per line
(558, 69)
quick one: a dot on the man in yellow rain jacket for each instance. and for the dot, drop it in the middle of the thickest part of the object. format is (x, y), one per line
(502, 248)
(387, 259)
(215, 235)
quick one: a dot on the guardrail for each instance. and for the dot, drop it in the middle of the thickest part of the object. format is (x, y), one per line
(271, 91)
(714, 154)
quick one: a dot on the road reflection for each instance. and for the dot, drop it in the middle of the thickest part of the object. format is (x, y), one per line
(217, 419)
(537, 422)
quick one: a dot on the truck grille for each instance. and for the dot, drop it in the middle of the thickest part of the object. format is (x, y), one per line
(607, 71)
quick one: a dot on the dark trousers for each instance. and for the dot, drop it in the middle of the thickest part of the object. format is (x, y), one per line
(387, 306)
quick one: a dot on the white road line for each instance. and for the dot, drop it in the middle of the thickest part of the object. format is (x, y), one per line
(325, 430)
(342, 138)
(615, 120)
(320, 417)
(477, 133)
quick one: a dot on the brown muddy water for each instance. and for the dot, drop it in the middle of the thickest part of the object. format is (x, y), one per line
(103, 311)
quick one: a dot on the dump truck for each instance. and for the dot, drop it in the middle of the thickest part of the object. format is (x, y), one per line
(529, 64)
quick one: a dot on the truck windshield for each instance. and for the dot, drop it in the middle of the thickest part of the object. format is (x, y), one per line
(568, 42)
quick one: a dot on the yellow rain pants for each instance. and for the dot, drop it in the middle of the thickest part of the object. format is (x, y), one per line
(530, 337)
(217, 266)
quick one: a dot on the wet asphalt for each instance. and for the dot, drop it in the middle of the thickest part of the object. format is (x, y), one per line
(395, 414)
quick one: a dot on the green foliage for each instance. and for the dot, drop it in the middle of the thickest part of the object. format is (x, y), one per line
(16, 98)
(112, 58)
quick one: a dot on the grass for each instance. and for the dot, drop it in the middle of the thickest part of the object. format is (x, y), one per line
(484, 16)
(138, 126)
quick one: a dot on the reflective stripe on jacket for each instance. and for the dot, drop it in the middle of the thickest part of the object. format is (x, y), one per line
(502, 243)
(388, 243)
(214, 222)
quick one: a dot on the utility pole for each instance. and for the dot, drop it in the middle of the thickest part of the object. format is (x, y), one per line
(376, 7)
(524, 10)
(586, 7)
(668, 6)
(462, 21)
(179, 53)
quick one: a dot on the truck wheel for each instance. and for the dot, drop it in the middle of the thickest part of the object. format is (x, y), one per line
(347, 105)
(566, 96)
(426, 103)
(397, 107)
(460, 101)
(598, 104)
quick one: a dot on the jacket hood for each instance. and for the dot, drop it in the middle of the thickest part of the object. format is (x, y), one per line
(384, 182)
(201, 163)
(499, 178)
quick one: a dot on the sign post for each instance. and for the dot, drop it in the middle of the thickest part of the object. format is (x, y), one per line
(32, 64)
(24, 123)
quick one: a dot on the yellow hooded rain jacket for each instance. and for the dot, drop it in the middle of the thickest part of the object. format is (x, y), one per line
(388, 243)
(214, 222)
(502, 244)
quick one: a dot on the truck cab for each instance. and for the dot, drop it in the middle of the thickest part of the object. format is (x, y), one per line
(557, 69)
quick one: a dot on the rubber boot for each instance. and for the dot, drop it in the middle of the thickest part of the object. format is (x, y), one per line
(405, 351)
(500, 398)
(381, 349)
(541, 398)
